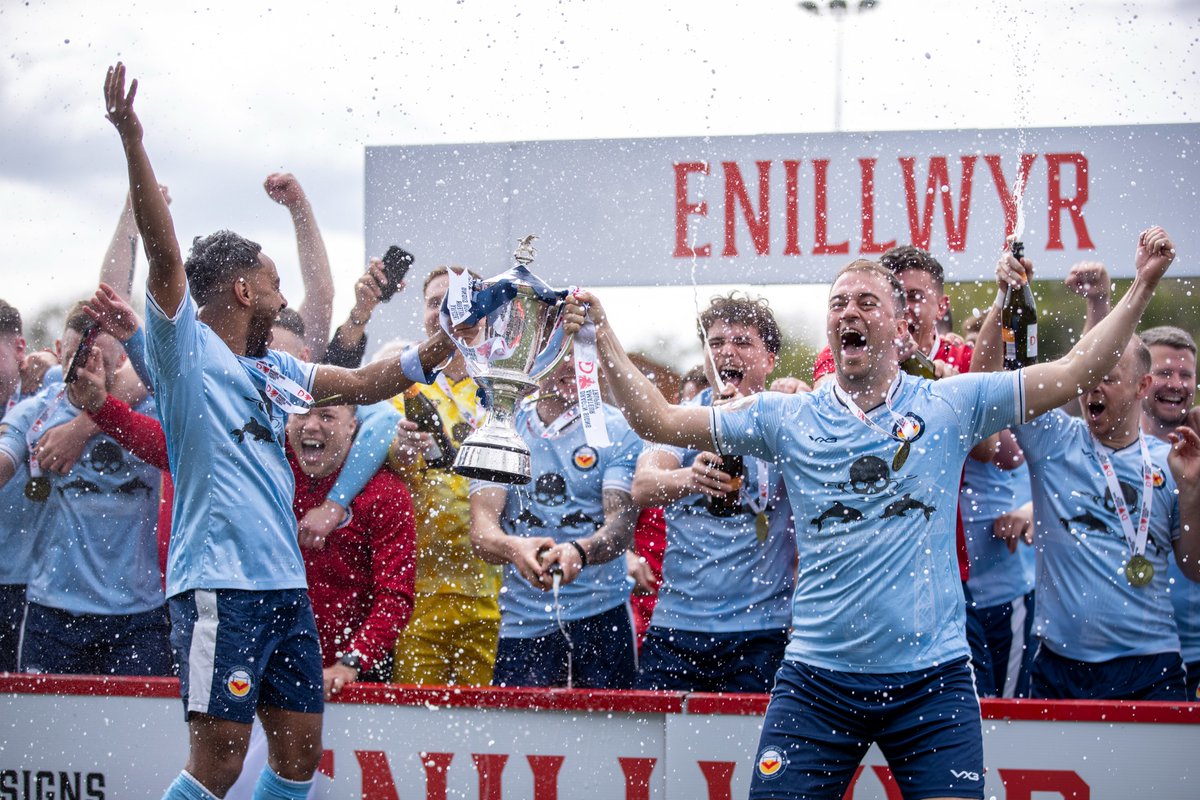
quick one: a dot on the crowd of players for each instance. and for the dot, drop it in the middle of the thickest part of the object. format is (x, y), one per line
(220, 493)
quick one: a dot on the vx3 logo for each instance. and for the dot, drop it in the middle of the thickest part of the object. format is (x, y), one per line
(964, 773)
(823, 439)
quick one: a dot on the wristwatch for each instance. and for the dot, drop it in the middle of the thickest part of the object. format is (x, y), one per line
(352, 660)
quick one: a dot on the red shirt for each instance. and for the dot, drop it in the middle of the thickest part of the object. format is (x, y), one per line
(959, 356)
(361, 582)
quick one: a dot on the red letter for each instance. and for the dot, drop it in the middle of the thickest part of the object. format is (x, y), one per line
(683, 208)
(545, 776)
(791, 175)
(719, 777)
(869, 245)
(939, 183)
(377, 783)
(435, 765)
(1007, 198)
(489, 766)
(1020, 784)
(735, 194)
(637, 776)
(325, 765)
(822, 247)
(1073, 205)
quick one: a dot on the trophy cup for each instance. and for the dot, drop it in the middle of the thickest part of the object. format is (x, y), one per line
(522, 343)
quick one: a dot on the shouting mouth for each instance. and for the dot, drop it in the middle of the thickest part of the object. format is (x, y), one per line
(853, 342)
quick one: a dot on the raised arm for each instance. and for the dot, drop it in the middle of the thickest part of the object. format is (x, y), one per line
(1049, 385)
(1089, 280)
(167, 281)
(120, 259)
(382, 379)
(648, 412)
(317, 308)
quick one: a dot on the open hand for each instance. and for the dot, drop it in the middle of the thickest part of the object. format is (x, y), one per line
(1184, 458)
(315, 526)
(119, 106)
(112, 314)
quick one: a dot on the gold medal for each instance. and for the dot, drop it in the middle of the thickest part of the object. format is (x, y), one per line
(1139, 571)
(901, 456)
(38, 489)
(761, 526)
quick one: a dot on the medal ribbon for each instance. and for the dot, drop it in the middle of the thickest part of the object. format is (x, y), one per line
(864, 419)
(555, 428)
(757, 502)
(13, 398)
(281, 390)
(1137, 541)
(587, 385)
(35, 471)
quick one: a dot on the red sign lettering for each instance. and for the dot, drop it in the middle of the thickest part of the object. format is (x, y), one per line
(1020, 784)
(1008, 196)
(489, 766)
(791, 180)
(377, 783)
(435, 765)
(545, 776)
(1072, 205)
(822, 247)
(719, 777)
(637, 776)
(938, 186)
(869, 246)
(683, 209)
(736, 195)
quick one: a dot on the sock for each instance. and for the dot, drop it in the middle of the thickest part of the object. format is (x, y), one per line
(186, 787)
(272, 787)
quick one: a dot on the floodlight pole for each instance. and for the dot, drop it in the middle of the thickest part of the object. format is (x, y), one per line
(838, 9)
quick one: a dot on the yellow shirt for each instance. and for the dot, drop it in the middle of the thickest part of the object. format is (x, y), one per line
(446, 562)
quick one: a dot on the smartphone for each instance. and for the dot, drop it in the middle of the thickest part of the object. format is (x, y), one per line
(396, 263)
(80, 357)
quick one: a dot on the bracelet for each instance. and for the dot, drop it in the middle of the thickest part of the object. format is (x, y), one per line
(582, 553)
(359, 323)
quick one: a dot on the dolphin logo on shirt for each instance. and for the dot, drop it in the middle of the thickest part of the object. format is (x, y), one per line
(1087, 519)
(81, 485)
(260, 432)
(838, 512)
(578, 518)
(901, 507)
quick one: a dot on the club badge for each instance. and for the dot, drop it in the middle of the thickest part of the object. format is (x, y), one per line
(771, 763)
(585, 457)
(907, 430)
(239, 683)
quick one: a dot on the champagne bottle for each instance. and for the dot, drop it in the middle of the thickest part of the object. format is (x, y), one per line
(729, 503)
(1018, 319)
(919, 364)
(420, 410)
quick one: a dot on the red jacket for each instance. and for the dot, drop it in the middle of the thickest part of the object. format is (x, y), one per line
(361, 582)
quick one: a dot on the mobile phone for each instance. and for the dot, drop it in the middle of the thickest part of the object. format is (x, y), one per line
(396, 263)
(82, 352)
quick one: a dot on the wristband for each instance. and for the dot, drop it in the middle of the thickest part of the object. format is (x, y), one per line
(414, 370)
(999, 298)
(582, 553)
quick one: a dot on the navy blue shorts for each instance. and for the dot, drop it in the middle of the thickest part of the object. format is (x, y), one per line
(1008, 629)
(12, 612)
(601, 655)
(689, 661)
(1193, 682)
(238, 650)
(820, 723)
(1155, 677)
(57, 641)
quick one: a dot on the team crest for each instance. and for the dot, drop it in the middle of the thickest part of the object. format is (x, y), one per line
(1157, 477)
(909, 428)
(239, 683)
(771, 763)
(585, 457)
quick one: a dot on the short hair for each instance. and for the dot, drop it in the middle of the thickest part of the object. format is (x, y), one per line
(696, 375)
(877, 269)
(215, 260)
(290, 320)
(1170, 336)
(78, 319)
(441, 270)
(736, 308)
(906, 257)
(10, 319)
(1142, 353)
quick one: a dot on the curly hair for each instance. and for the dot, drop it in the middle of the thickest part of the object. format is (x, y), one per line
(216, 260)
(737, 308)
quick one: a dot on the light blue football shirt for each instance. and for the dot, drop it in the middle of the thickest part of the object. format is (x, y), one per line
(997, 576)
(878, 588)
(95, 551)
(1185, 600)
(565, 501)
(1085, 608)
(19, 517)
(232, 524)
(718, 576)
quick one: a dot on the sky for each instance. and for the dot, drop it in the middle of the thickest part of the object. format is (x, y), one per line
(232, 91)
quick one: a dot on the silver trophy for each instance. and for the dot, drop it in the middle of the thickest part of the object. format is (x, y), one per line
(522, 342)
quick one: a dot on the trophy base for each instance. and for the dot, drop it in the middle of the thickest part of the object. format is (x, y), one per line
(498, 463)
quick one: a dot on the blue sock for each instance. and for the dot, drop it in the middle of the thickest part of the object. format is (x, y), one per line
(186, 787)
(272, 787)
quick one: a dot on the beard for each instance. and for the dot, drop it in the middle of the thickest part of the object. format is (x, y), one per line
(258, 334)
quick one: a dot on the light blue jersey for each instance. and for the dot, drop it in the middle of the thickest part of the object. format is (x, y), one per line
(19, 516)
(1185, 599)
(719, 574)
(997, 576)
(95, 551)
(232, 524)
(878, 589)
(565, 502)
(1085, 608)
